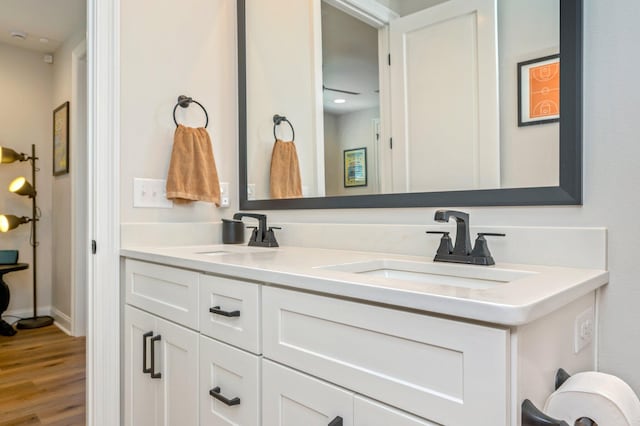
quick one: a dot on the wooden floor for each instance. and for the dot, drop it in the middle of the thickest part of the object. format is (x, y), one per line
(42, 378)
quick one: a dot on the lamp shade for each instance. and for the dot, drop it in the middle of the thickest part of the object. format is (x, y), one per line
(8, 155)
(21, 186)
(9, 222)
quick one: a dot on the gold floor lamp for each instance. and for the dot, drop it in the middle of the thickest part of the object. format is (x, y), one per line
(21, 186)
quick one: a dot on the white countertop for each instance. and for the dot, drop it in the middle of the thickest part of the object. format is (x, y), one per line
(517, 302)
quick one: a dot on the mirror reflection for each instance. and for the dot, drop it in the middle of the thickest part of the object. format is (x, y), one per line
(399, 96)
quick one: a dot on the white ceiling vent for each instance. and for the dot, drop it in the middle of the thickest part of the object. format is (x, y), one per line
(19, 35)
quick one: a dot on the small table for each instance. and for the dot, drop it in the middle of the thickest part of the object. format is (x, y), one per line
(5, 295)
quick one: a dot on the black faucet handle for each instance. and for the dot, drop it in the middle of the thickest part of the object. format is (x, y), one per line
(446, 246)
(270, 237)
(480, 252)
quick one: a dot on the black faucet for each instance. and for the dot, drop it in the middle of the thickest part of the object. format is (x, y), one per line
(463, 241)
(261, 235)
(462, 252)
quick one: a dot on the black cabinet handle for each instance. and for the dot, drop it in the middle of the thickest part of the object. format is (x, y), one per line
(154, 375)
(215, 392)
(531, 416)
(216, 310)
(336, 422)
(145, 336)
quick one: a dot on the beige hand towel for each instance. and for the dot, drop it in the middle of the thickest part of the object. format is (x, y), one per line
(285, 171)
(192, 172)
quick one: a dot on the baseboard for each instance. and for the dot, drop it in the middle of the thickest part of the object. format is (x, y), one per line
(24, 313)
(61, 320)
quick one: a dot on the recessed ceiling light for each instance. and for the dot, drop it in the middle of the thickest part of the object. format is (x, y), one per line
(339, 101)
(44, 40)
(19, 35)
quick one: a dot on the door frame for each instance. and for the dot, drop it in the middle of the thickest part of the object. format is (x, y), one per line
(79, 207)
(103, 200)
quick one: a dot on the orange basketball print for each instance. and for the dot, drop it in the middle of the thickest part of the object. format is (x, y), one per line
(544, 84)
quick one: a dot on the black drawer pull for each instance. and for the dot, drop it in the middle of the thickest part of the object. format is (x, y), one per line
(154, 375)
(215, 392)
(336, 422)
(216, 310)
(145, 336)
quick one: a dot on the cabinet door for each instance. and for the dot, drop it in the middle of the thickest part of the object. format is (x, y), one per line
(140, 390)
(371, 413)
(177, 357)
(290, 398)
(229, 385)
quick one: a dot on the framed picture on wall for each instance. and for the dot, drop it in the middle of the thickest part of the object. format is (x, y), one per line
(355, 167)
(539, 91)
(61, 140)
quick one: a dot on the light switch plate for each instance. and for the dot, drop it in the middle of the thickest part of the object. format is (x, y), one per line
(150, 193)
(224, 194)
(251, 191)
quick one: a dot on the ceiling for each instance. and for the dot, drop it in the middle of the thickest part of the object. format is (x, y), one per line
(55, 20)
(349, 61)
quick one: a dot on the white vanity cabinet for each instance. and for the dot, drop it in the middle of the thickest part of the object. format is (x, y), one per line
(176, 372)
(206, 349)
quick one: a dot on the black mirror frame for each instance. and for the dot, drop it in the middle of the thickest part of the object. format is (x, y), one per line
(569, 192)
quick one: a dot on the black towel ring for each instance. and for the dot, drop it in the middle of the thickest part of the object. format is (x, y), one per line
(184, 102)
(277, 119)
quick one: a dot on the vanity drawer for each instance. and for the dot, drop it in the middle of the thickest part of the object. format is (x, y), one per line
(450, 372)
(230, 311)
(168, 292)
(230, 373)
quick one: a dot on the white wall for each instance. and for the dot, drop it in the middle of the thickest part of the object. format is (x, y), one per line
(178, 48)
(25, 84)
(611, 148)
(349, 131)
(61, 185)
(529, 155)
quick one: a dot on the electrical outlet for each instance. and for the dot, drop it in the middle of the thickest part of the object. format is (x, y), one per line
(251, 191)
(150, 193)
(224, 194)
(584, 329)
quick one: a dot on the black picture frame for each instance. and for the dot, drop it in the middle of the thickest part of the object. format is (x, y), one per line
(524, 117)
(61, 140)
(354, 165)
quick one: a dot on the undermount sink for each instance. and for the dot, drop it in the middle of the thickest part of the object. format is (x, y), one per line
(229, 249)
(213, 253)
(467, 276)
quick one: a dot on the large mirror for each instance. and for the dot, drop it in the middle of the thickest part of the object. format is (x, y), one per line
(405, 103)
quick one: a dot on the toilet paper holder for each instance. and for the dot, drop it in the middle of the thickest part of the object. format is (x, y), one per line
(532, 416)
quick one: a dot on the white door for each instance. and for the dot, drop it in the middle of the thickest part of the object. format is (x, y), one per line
(445, 115)
(372, 413)
(290, 398)
(177, 351)
(229, 385)
(140, 390)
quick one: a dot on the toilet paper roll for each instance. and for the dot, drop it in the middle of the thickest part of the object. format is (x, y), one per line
(603, 398)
